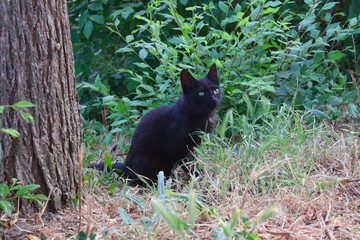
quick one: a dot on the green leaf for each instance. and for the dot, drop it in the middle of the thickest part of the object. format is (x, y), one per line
(97, 18)
(329, 6)
(265, 105)
(124, 50)
(334, 110)
(92, 236)
(137, 201)
(41, 196)
(141, 65)
(117, 22)
(83, 18)
(112, 187)
(108, 140)
(121, 108)
(6, 207)
(235, 218)
(334, 100)
(74, 201)
(143, 53)
(318, 57)
(129, 38)
(108, 99)
(107, 161)
(270, 10)
(192, 208)
(224, 7)
(26, 189)
(256, 13)
(226, 36)
(161, 186)
(82, 236)
(316, 112)
(149, 222)
(349, 96)
(22, 104)
(16, 187)
(170, 218)
(327, 17)
(272, 3)
(15, 182)
(10, 131)
(4, 190)
(353, 21)
(28, 196)
(352, 109)
(336, 55)
(95, 6)
(27, 116)
(88, 29)
(125, 217)
(98, 81)
(2, 109)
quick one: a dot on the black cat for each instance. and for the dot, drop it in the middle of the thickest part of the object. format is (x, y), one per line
(166, 135)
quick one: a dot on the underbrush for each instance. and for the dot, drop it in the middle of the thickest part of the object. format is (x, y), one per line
(267, 54)
(288, 177)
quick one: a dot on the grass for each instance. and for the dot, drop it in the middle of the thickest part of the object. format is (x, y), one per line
(288, 178)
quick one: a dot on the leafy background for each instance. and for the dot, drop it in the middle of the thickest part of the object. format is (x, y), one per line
(128, 55)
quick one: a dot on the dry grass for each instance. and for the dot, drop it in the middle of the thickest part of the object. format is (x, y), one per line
(315, 187)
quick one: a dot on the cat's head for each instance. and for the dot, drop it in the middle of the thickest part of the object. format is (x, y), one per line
(202, 94)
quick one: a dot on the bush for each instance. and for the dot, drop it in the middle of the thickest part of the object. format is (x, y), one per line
(267, 55)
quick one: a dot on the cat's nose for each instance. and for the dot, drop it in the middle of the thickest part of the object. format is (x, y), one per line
(214, 101)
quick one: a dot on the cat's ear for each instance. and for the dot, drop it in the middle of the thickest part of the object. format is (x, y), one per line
(186, 78)
(212, 74)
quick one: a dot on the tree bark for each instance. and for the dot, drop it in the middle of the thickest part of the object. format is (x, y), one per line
(37, 65)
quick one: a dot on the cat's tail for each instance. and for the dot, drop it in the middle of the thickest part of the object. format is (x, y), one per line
(117, 165)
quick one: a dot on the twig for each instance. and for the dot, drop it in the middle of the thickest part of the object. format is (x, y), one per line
(22, 230)
(327, 230)
(253, 175)
(297, 221)
(89, 211)
(351, 72)
(46, 203)
(280, 232)
(80, 157)
(328, 213)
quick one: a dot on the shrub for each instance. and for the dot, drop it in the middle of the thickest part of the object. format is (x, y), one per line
(267, 55)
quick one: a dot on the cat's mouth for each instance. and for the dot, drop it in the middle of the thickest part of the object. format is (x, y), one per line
(214, 103)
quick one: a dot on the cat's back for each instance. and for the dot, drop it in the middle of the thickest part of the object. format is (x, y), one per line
(154, 120)
(155, 126)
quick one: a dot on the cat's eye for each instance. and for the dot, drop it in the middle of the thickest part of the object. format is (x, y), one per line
(201, 93)
(216, 91)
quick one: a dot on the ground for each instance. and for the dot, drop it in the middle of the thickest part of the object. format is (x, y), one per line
(309, 192)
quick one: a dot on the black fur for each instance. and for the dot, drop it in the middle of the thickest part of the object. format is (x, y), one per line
(166, 135)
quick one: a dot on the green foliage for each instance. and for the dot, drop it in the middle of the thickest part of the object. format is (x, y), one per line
(266, 55)
(16, 190)
(123, 110)
(82, 236)
(26, 116)
(227, 229)
(94, 47)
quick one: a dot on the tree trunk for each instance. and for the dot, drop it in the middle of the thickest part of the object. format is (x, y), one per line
(37, 65)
